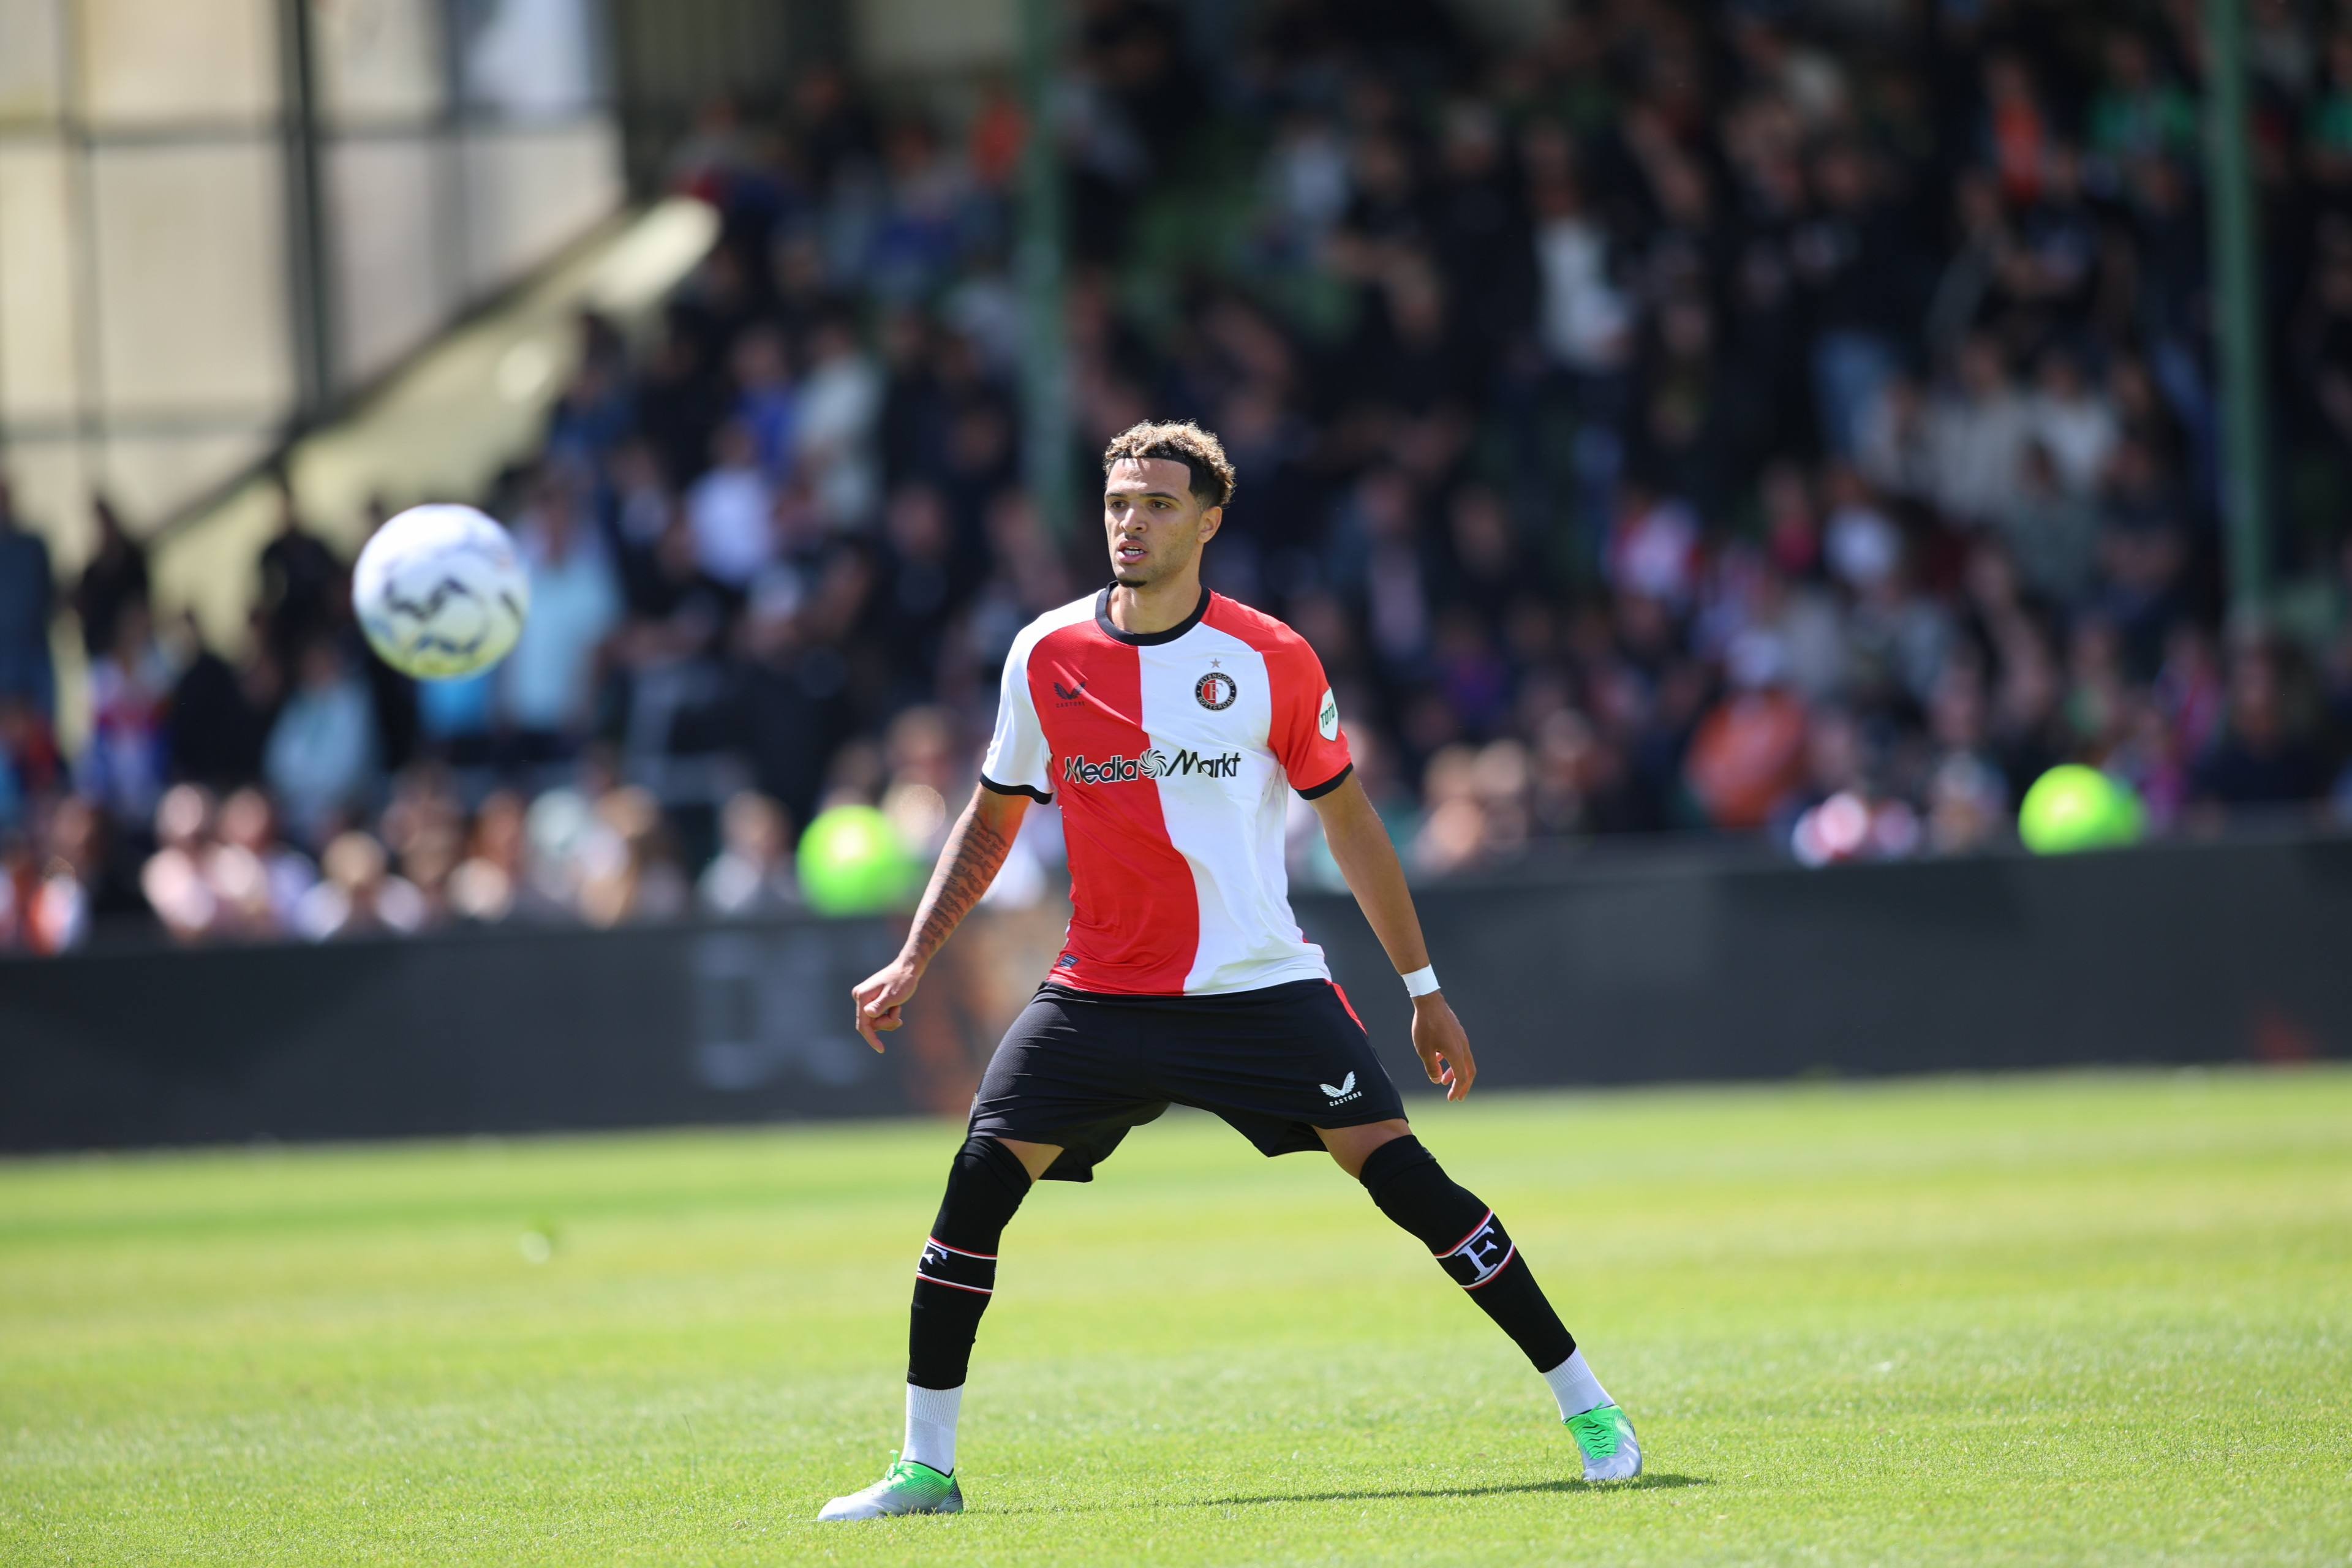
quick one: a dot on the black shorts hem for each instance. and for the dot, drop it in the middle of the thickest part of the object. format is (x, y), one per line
(1085, 1145)
(1372, 1114)
(1298, 1137)
(1082, 1144)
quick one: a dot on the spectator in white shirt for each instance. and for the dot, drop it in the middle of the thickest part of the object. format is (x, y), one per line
(839, 401)
(1894, 445)
(2075, 422)
(548, 684)
(1978, 432)
(753, 873)
(729, 508)
(320, 760)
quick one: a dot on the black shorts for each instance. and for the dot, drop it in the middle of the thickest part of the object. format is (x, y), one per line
(1079, 1067)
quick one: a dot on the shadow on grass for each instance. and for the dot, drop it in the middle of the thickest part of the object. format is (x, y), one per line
(1658, 1482)
(1651, 1483)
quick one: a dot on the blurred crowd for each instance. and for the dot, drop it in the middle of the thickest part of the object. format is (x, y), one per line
(1794, 422)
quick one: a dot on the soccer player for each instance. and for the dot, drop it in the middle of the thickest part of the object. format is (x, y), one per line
(1168, 722)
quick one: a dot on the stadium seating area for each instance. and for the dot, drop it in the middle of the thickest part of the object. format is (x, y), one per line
(1706, 413)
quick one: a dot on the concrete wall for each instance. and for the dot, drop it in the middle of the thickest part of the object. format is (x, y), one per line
(2181, 954)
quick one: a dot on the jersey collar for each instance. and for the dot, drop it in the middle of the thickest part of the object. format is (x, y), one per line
(1146, 639)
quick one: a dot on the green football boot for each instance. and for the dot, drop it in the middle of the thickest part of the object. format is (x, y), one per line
(906, 1488)
(1605, 1438)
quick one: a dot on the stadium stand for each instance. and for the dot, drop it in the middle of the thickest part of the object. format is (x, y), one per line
(1707, 413)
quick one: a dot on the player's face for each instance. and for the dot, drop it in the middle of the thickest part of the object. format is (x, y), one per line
(1156, 525)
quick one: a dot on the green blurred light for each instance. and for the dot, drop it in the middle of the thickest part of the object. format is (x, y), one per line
(852, 862)
(2072, 808)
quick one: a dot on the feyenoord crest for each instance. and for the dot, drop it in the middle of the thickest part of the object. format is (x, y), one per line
(1217, 690)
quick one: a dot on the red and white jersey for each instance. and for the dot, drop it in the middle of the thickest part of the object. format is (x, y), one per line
(1170, 754)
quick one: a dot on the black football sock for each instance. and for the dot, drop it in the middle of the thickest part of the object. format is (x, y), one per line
(1469, 1243)
(958, 1269)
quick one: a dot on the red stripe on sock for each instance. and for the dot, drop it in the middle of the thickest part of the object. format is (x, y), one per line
(1465, 1240)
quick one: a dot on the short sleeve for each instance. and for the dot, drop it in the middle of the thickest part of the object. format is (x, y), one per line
(1019, 762)
(1307, 737)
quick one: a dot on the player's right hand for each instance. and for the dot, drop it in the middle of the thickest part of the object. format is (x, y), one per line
(881, 995)
(1442, 1045)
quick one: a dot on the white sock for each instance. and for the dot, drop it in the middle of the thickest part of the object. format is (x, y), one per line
(930, 1426)
(1572, 1384)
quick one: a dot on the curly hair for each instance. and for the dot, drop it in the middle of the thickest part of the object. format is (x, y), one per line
(1179, 441)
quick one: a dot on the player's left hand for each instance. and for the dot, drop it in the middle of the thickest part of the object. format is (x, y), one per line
(881, 995)
(1442, 1045)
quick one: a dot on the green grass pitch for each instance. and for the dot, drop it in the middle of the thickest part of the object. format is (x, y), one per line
(2095, 1319)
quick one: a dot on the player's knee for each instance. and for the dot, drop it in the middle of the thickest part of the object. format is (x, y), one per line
(985, 1186)
(1352, 1146)
(1462, 1234)
(1397, 1160)
(990, 1157)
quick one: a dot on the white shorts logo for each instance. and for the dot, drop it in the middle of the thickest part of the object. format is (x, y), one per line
(1327, 721)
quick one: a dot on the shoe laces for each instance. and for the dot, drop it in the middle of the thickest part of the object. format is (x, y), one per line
(1595, 1430)
(906, 1472)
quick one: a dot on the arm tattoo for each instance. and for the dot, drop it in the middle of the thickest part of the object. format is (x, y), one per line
(967, 866)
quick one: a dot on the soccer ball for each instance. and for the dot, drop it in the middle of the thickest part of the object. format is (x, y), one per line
(440, 593)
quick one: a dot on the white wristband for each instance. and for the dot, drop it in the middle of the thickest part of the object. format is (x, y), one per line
(1422, 980)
